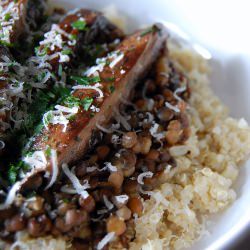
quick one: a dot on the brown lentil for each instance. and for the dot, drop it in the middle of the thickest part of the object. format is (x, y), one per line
(116, 225)
(135, 205)
(88, 204)
(102, 152)
(16, 223)
(129, 139)
(124, 213)
(116, 179)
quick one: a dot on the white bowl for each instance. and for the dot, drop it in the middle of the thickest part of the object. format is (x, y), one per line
(222, 28)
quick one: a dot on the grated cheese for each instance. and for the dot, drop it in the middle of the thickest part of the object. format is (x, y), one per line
(57, 116)
(11, 196)
(141, 176)
(170, 106)
(122, 199)
(179, 90)
(80, 189)
(110, 167)
(94, 108)
(153, 131)
(108, 238)
(55, 169)
(117, 59)
(36, 160)
(122, 120)
(115, 56)
(107, 203)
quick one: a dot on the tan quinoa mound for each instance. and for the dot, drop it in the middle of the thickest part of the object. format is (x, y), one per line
(201, 184)
(174, 216)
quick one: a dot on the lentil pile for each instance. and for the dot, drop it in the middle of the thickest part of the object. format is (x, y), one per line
(126, 162)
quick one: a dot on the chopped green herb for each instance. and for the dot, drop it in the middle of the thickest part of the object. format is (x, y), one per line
(41, 52)
(11, 45)
(38, 128)
(65, 200)
(7, 17)
(15, 1)
(85, 80)
(73, 37)
(80, 79)
(86, 103)
(67, 52)
(14, 169)
(12, 174)
(79, 25)
(111, 88)
(109, 79)
(48, 151)
(72, 101)
(72, 118)
(41, 76)
(45, 138)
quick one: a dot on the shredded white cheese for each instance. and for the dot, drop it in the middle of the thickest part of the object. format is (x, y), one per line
(107, 203)
(58, 117)
(36, 160)
(122, 199)
(170, 106)
(55, 169)
(116, 60)
(110, 167)
(179, 90)
(108, 238)
(153, 131)
(115, 57)
(11, 196)
(80, 189)
(141, 176)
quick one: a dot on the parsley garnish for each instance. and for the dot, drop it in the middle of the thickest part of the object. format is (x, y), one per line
(109, 79)
(73, 36)
(79, 25)
(86, 103)
(72, 101)
(7, 17)
(65, 200)
(41, 52)
(111, 88)
(12, 174)
(67, 52)
(85, 80)
(48, 151)
(13, 171)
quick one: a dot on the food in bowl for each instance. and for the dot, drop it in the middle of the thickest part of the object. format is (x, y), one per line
(108, 140)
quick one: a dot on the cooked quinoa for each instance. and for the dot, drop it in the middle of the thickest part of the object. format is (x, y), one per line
(202, 184)
(166, 161)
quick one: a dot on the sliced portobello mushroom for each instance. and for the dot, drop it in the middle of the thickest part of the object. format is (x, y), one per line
(57, 54)
(68, 135)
